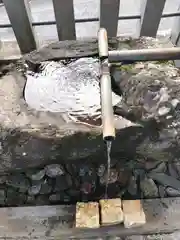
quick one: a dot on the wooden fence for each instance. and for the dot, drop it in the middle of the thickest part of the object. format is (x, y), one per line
(21, 22)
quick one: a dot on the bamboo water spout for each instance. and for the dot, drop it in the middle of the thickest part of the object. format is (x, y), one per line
(105, 85)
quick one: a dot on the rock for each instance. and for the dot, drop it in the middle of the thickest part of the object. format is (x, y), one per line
(132, 188)
(14, 198)
(162, 191)
(41, 200)
(2, 196)
(62, 183)
(3, 179)
(177, 167)
(54, 170)
(101, 170)
(172, 170)
(31, 200)
(36, 175)
(46, 186)
(74, 193)
(165, 180)
(161, 167)
(87, 187)
(54, 198)
(113, 177)
(123, 177)
(18, 181)
(34, 190)
(149, 188)
(171, 192)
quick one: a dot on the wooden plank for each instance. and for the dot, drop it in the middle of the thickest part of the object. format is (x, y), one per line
(111, 212)
(20, 18)
(151, 12)
(109, 12)
(52, 222)
(133, 213)
(64, 14)
(87, 215)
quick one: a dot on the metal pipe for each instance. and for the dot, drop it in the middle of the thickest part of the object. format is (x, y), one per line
(144, 54)
(105, 85)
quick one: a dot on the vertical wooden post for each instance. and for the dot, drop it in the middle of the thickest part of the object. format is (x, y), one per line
(64, 14)
(20, 18)
(109, 12)
(151, 12)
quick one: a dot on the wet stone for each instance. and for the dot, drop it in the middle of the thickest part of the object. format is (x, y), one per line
(101, 170)
(14, 198)
(34, 190)
(161, 167)
(149, 188)
(172, 170)
(113, 177)
(87, 187)
(36, 175)
(162, 191)
(2, 196)
(46, 186)
(54, 170)
(62, 183)
(132, 188)
(41, 200)
(55, 198)
(171, 192)
(30, 200)
(177, 167)
(3, 179)
(18, 181)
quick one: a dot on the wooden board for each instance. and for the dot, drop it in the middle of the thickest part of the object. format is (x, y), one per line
(111, 212)
(87, 215)
(52, 222)
(133, 213)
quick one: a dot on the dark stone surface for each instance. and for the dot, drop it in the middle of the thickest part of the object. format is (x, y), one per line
(33, 139)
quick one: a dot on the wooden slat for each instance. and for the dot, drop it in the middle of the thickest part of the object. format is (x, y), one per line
(109, 11)
(19, 16)
(56, 222)
(64, 14)
(151, 12)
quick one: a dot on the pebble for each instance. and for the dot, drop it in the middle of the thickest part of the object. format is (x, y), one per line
(18, 181)
(149, 188)
(165, 180)
(54, 170)
(34, 190)
(172, 192)
(36, 175)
